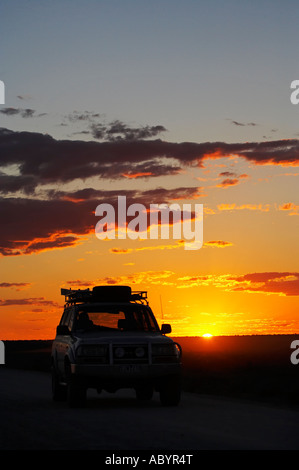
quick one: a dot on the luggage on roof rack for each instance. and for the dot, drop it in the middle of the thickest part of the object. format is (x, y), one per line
(112, 293)
(104, 294)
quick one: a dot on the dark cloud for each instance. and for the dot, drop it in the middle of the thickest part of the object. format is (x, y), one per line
(237, 123)
(89, 116)
(34, 225)
(112, 131)
(24, 113)
(117, 130)
(31, 225)
(28, 301)
(227, 174)
(146, 197)
(281, 283)
(48, 160)
(11, 183)
(228, 182)
(9, 111)
(231, 179)
(27, 113)
(284, 283)
(14, 285)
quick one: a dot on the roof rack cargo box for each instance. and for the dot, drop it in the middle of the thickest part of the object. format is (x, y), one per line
(111, 293)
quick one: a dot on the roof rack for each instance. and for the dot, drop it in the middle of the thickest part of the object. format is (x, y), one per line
(104, 294)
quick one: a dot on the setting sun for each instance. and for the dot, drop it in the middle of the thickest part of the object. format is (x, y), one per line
(207, 335)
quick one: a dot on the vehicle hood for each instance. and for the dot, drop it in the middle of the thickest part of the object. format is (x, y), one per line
(120, 337)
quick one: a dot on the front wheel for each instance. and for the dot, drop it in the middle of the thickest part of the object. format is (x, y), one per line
(76, 392)
(58, 390)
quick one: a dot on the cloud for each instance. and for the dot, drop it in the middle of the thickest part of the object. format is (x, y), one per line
(48, 160)
(251, 207)
(138, 278)
(31, 225)
(231, 178)
(88, 116)
(179, 244)
(237, 123)
(118, 130)
(24, 97)
(120, 251)
(9, 111)
(284, 283)
(64, 219)
(12, 183)
(228, 182)
(114, 130)
(28, 301)
(218, 243)
(292, 208)
(24, 113)
(53, 218)
(227, 174)
(281, 283)
(15, 285)
(146, 197)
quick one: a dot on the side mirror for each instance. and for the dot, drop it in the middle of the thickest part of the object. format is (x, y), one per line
(62, 330)
(165, 328)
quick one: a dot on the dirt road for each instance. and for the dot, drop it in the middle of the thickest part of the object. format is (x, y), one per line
(30, 420)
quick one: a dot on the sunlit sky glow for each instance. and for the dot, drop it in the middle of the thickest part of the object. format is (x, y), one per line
(162, 102)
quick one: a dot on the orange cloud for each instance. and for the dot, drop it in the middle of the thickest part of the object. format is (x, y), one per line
(252, 207)
(15, 285)
(120, 251)
(228, 182)
(290, 206)
(143, 277)
(218, 243)
(28, 301)
(281, 283)
(137, 175)
(231, 179)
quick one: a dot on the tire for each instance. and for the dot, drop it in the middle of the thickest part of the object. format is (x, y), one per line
(170, 392)
(76, 392)
(59, 392)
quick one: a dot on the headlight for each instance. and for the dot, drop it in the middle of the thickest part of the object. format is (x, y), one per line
(92, 350)
(163, 350)
(119, 352)
(139, 352)
(166, 353)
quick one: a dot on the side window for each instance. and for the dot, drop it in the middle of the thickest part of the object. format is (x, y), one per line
(70, 319)
(66, 317)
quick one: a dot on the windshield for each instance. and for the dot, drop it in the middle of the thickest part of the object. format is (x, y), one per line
(124, 318)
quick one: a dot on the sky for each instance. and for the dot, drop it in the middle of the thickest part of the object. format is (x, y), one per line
(161, 102)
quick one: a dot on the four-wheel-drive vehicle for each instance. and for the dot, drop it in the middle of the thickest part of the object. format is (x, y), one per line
(108, 338)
